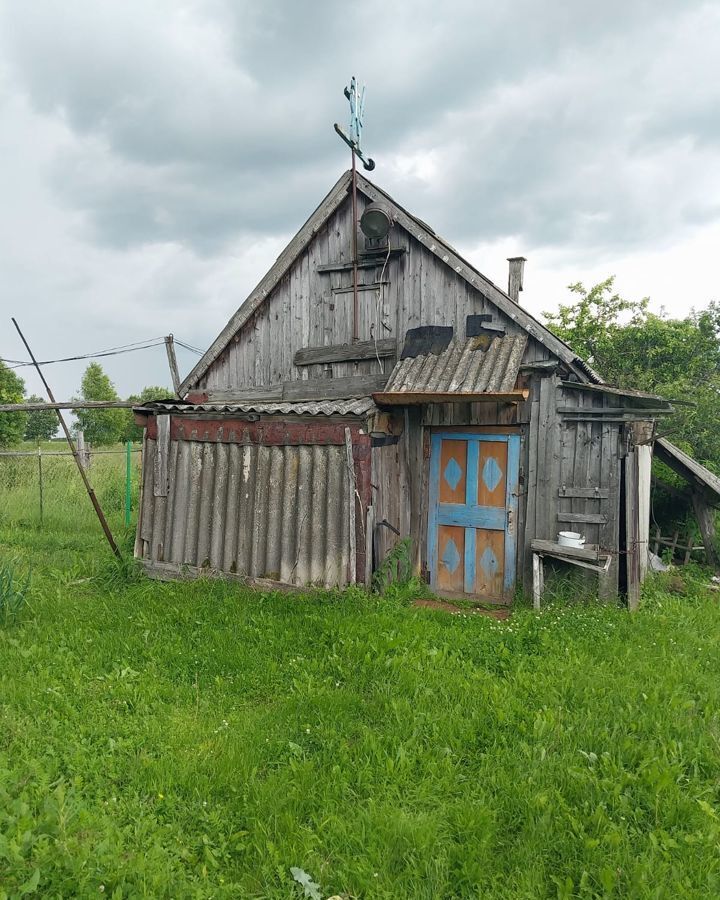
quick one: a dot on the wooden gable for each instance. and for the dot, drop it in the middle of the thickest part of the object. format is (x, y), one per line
(298, 323)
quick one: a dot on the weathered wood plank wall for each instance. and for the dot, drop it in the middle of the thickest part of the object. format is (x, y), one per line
(573, 479)
(310, 308)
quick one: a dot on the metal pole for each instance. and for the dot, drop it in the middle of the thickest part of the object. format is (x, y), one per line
(88, 486)
(40, 476)
(128, 470)
(356, 311)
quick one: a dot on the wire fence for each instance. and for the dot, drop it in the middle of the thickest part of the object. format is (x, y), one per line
(41, 487)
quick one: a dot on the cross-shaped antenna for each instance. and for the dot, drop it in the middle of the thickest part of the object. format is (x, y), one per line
(357, 110)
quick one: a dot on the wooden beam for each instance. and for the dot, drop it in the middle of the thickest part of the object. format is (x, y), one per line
(172, 362)
(309, 356)
(334, 388)
(583, 518)
(584, 493)
(367, 262)
(346, 388)
(246, 395)
(70, 404)
(612, 410)
(412, 398)
(586, 554)
(706, 520)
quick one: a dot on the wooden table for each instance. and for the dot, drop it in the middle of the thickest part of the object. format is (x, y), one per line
(588, 557)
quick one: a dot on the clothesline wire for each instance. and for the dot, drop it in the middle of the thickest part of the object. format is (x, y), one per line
(111, 351)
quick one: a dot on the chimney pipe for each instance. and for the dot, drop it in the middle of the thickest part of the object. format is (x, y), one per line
(515, 277)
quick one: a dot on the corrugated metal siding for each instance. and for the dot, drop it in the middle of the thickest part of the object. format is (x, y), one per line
(358, 407)
(464, 367)
(279, 512)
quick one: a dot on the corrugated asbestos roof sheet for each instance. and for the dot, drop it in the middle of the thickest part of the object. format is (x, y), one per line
(689, 468)
(463, 368)
(357, 407)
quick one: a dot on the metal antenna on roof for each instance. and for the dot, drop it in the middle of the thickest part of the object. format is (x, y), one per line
(353, 140)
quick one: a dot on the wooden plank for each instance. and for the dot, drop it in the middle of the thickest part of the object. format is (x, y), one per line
(307, 356)
(538, 579)
(350, 387)
(594, 493)
(353, 496)
(70, 404)
(162, 449)
(411, 398)
(375, 262)
(599, 412)
(531, 483)
(588, 553)
(586, 518)
(369, 531)
(172, 363)
(609, 534)
(242, 395)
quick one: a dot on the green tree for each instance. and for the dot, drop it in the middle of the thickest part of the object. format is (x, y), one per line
(12, 424)
(101, 426)
(42, 424)
(132, 431)
(634, 348)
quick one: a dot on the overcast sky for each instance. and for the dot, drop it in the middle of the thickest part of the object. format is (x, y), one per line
(156, 157)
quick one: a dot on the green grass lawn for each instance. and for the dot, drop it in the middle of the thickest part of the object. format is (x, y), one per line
(199, 740)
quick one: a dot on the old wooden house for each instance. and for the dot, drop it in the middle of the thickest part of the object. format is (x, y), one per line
(373, 387)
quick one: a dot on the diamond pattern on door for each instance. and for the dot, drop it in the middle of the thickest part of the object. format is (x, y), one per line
(451, 552)
(491, 473)
(451, 557)
(452, 474)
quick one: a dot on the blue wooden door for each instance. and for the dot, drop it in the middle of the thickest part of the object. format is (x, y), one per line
(472, 522)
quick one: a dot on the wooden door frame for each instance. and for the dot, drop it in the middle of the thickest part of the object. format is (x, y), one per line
(512, 492)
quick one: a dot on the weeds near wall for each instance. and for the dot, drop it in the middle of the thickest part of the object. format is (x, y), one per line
(13, 594)
(395, 571)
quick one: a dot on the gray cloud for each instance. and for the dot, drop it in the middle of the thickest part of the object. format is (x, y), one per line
(201, 123)
(156, 155)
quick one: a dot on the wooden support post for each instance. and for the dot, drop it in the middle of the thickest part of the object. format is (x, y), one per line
(705, 515)
(172, 362)
(369, 531)
(632, 529)
(538, 579)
